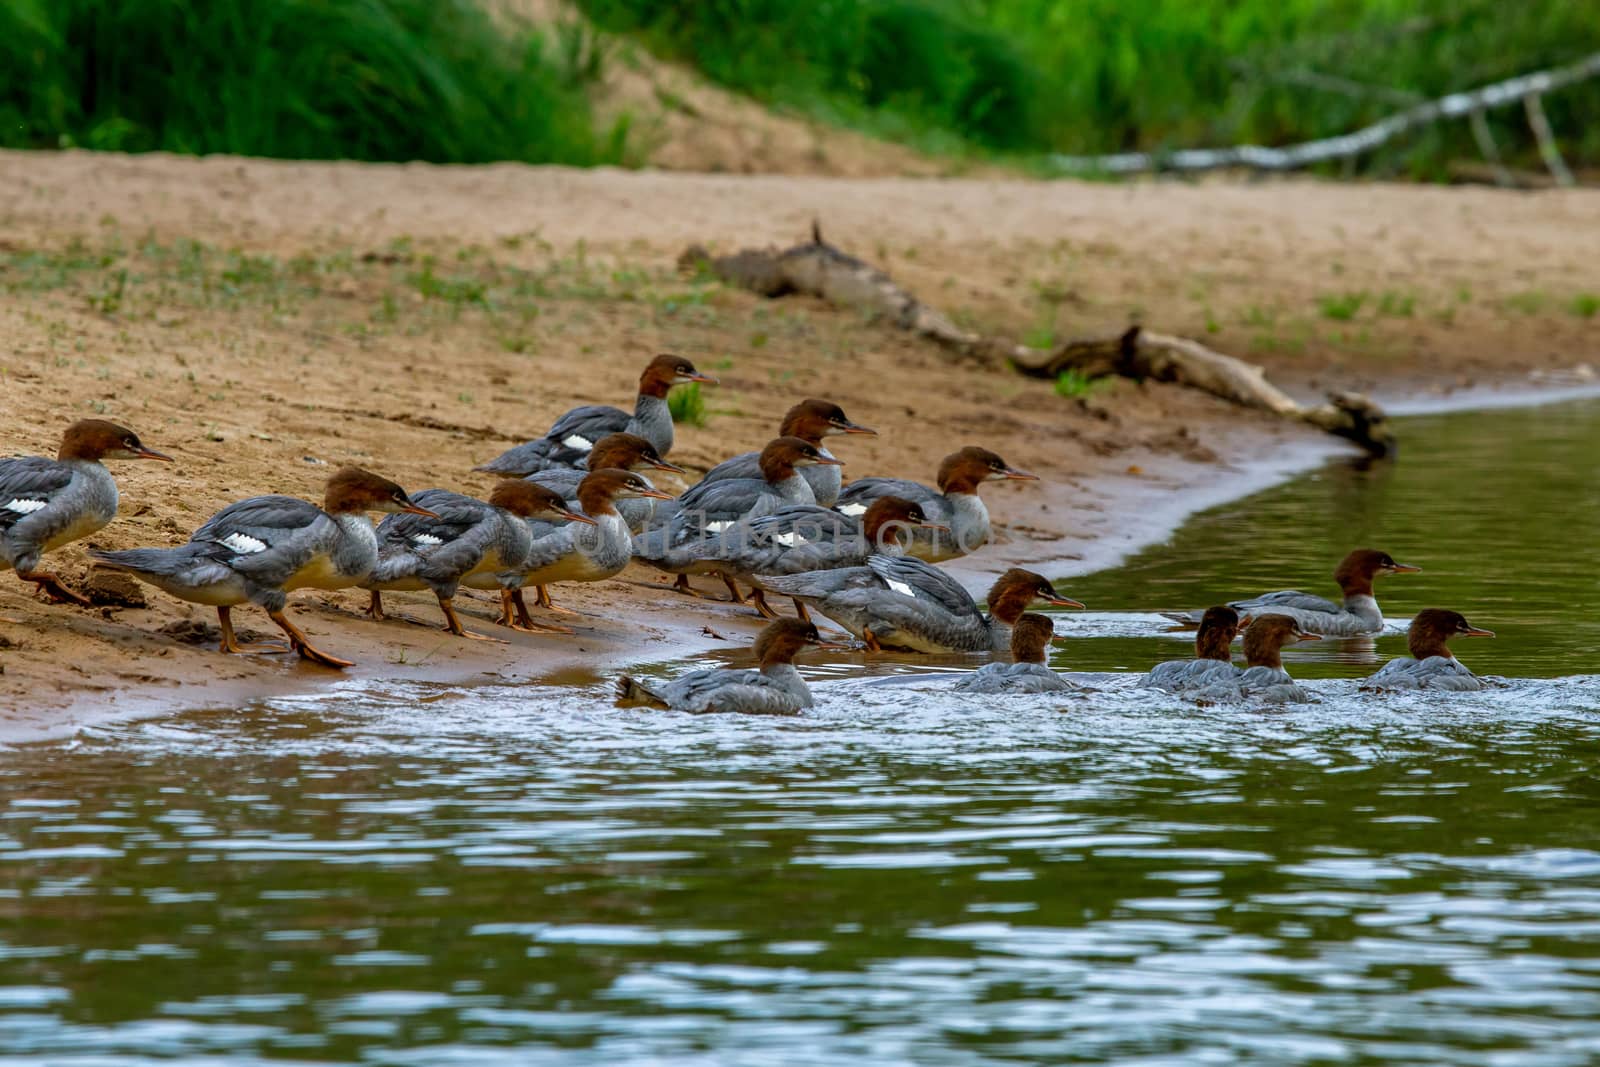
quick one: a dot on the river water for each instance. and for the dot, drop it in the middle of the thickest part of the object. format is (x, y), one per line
(510, 875)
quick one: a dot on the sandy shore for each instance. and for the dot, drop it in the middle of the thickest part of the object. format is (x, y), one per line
(259, 320)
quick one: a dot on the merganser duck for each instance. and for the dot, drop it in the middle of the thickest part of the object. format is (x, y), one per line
(811, 421)
(258, 550)
(955, 504)
(776, 688)
(574, 434)
(1431, 664)
(904, 602)
(576, 552)
(468, 536)
(1030, 635)
(46, 503)
(624, 452)
(1358, 614)
(711, 507)
(1264, 677)
(802, 538)
(1213, 654)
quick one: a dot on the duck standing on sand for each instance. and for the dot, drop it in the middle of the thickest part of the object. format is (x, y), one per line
(811, 421)
(257, 550)
(568, 442)
(1358, 614)
(46, 503)
(624, 452)
(1030, 636)
(902, 602)
(955, 504)
(1213, 654)
(1431, 664)
(467, 536)
(774, 688)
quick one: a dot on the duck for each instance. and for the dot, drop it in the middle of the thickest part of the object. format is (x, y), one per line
(904, 602)
(1031, 634)
(1431, 664)
(1213, 654)
(955, 504)
(468, 536)
(47, 503)
(574, 435)
(575, 552)
(1357, 615)
(259, 550)
(806, 537)
(774, 688)
(623, 451)
(810, 420)
(711, 507)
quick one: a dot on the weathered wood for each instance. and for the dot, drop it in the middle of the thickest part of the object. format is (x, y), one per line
(820, 270)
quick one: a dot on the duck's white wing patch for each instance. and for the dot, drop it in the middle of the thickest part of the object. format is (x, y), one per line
(790, 540)
(853, 510)
(577, 441)
(717, 527)
(244, 544)
(427, 539)
(25, 505)
(902, 588)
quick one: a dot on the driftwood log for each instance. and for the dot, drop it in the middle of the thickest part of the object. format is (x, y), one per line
(819, 269)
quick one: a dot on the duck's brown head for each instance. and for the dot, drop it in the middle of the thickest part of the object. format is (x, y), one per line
(625, 451)
(964, 471)
(600, 490)
(812, 420)
(1432, 627)
(890, 520)
(1266, 637)
(781, 641)
(97, 439)
(1218, 627)
(665, 371)
(1030, 636)
(530, 500)
(783, 454)
(1356, 571)
(1016, 589)
(352, 490)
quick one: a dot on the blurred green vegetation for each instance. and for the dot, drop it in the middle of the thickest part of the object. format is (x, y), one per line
(1032, 76)
(436, 80)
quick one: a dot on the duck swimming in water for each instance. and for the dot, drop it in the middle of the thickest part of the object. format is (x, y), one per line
(774, 688)
(46, 503)
(1358, 614)
(1213, 654)
(1431, 664)
(955, 504)
(902, 602)
(1030, 636)
(258, 550)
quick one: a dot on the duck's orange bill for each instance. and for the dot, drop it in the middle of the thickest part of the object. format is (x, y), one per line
(655, 494)
(1014, 475)
(1065, 602)
(1473, 631)
(1405, 568)
(575, 516)
(412, 509)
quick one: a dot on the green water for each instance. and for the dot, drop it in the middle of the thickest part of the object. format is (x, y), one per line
(500, 875)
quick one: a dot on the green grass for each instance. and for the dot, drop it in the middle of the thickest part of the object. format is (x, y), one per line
(436, 80)
(688, 405)
(1072, 382)
(1341, 307)
(1584, 305)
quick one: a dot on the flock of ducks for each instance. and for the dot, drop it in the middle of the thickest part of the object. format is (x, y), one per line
(573, 506)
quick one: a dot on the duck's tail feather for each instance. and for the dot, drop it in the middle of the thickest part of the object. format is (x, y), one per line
(631, 692)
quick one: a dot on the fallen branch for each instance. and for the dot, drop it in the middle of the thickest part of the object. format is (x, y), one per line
(819, 269)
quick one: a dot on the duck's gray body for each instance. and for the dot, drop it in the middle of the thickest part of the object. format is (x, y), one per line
(965, 514)
(1358, 615)
(570, 552)
(1439, 673)
(469, 536)
(1181, 675)
(774, 690)
(825, 480)
(792, 540)
(708, 510)
(47, 503)
(573, 436)
(902, 601)
(993, 678)
(1210, 681)
(256, 551)
(637, 511)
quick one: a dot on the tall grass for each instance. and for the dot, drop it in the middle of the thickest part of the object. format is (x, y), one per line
(1026, 76)
(436, 80)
